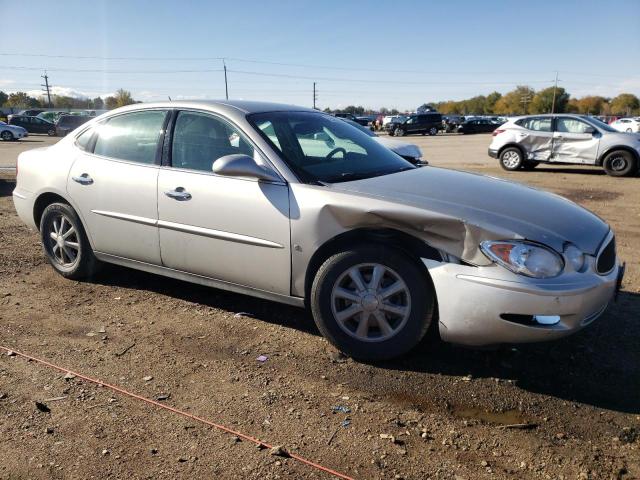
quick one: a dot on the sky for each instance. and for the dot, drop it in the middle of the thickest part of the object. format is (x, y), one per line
(397, 54)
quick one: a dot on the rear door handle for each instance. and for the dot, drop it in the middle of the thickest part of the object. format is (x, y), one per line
(178, 194)
(83, 179)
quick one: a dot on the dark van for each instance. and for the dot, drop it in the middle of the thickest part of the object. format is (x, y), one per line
(422, 123)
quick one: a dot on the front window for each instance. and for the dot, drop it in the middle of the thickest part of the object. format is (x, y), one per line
(571, 125)
(322, 148)
(200, 139)
(601, 125)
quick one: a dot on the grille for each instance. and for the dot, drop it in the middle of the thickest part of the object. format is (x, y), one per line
(607, 258)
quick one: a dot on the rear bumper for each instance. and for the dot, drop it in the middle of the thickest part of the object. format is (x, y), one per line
(23, 202)
(489, 305)
(493, 153)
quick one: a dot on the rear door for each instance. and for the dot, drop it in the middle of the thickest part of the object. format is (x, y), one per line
(114, 184)
(575, 141)
(536, 137)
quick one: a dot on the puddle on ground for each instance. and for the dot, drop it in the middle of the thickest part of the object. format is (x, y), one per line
(508, 417)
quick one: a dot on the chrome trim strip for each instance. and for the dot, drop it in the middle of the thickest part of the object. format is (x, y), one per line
(207, 232)
(181, 227)
(199, 279)
(127, 218)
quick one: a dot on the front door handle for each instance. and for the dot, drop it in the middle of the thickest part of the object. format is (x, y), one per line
(178, 194)
(83, 179)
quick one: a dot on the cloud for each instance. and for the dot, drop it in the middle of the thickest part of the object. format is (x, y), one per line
(63, 92)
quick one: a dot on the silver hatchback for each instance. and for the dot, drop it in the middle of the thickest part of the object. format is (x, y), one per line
(525, 142)
(296, 206)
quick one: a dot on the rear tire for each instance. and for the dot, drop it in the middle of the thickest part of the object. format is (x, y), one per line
(6, 136)
(433, 131)
(388, 288)
(51, 132)
(65, 242)
(620, 164)
(511, 159)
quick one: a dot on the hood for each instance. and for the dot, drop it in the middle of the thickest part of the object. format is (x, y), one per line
(493, 205)
(404, 149)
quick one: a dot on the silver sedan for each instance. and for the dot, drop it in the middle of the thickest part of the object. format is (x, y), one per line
(296, 206)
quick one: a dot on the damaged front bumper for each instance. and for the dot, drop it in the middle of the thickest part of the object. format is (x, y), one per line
(490, 305)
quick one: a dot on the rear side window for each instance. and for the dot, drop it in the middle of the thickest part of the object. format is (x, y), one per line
(538, 124)
(132, 136)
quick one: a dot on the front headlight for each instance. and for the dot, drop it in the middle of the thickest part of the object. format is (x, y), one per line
(524, 258)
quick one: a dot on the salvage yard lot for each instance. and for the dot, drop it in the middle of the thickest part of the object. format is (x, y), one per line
(442, 411)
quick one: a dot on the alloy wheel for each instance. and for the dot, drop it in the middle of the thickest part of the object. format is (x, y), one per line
(64, 243)
(618, 163)
(511, 159)
(370, 302)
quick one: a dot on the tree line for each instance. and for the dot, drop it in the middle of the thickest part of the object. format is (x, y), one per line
(525, 100)
(23, 100)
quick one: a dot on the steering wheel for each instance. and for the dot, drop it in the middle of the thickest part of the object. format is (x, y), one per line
(336, 150)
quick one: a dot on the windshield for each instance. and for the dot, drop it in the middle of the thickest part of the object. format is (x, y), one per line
(322, 148)
(600, 124)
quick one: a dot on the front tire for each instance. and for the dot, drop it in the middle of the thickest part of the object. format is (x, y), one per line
(65, 242)
(371, 302)
(511, 159)
(399, 132)
(620, 164)
(433, 131)
(6, 136)
(51, 132)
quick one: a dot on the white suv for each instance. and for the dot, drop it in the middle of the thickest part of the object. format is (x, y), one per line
(627, 125)
(524, 142)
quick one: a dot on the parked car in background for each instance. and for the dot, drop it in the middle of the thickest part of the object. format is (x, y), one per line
(67, 123)
(11, 132)
(629, 125)
(31, 113)
(33, 124)
(366, 120)
(451, 122)
(422, 123)
(393, 119)
(524, 142)
(479, 125)
(376, 247)
(51, 116)
(406, 150)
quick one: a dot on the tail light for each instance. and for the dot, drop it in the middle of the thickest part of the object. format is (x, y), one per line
(497, 132)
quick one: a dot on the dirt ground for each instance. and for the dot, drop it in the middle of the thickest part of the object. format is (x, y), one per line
(439, 413)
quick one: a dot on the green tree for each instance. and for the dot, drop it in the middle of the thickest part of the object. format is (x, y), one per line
(625, 104)
(491, 101)
(97, 103)
(511, 103)
(543, 100)
(123, 98)
(3, 98)
(21, 100)
(111, 102)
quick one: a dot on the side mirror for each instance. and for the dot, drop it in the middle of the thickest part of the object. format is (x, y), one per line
(590, 130)
(240, 165)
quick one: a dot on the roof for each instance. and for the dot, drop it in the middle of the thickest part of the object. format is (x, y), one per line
(244, 106)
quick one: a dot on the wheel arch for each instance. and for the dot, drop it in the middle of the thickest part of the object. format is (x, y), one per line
(615, 148)
(512, 145)
(409, 245)
(45, 199)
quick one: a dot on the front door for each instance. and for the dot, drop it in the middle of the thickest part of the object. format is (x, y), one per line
(575, 141)
(114, 184)
(230, 229)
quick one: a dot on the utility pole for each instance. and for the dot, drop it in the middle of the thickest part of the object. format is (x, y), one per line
(226, 86)
(46, 85)
(524, 99)
(315, 95)
(555, 87)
